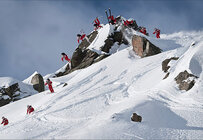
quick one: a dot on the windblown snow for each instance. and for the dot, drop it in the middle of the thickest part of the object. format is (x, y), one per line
(98, 101)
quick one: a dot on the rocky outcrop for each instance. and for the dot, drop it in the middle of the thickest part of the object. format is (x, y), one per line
(144, 47)
(115, 37)
(8, 94)
(185, 80)
(165, 66)
(84, 44)
(136, 118)
(38, 82)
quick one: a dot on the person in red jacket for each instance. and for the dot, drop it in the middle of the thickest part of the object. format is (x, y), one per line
(49, 83)
(112, 19)
(4, 121)
(143, 30)
(64, 56)
(127, 22)
(157, 32)
(97, 24)
(81, 37)
(30, 109)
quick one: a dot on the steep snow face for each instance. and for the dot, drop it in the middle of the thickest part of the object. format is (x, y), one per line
(99, 100)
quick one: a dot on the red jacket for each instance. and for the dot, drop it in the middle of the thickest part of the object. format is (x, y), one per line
(112, 19)
(96, 21)
(4, 121)
(49, 83)
(30, 110)
(157, 32)
(143, 30)
(66, 58)
(81, 37)
(128, 22)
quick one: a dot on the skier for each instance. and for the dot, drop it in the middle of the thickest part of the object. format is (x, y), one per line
(81, 37)
(127, 22)
(110, 17)
(64, 56)
(157, 32)
(49, 83)
(97, 24)
(30, 109)
(143, 30)
(4, 121)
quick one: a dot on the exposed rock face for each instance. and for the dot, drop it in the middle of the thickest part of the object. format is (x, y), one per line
(144, 47)
(9, 92)
(84, 44)
(185, 80)
(165, 66)
(136, 118)
(82, 59)
(38, 82)
(115, 37)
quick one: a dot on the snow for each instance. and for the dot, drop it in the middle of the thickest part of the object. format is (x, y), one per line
(99, 100)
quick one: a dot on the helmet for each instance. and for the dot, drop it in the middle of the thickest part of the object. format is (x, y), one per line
(63, 54)
(78, 35)
(3, 117)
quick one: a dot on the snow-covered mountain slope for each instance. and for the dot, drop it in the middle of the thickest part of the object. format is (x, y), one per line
(99, 100)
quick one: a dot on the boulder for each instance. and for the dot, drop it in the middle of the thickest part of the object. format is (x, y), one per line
(136, 118)
(9, 93)
(38, 82)
(144, 47)
(185, 80)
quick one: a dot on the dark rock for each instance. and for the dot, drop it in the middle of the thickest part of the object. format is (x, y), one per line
(84, 44)
(115, 37)
(65, 84)
(4, 101)
(38, 82)
(136, 118)
(167, 74)
(9, 91)
(77, 57)
(184, 82)
(107, 46)
(144, 47)
(165, 66)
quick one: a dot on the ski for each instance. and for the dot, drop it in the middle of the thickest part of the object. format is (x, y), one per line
(110, 12)
(107, 16)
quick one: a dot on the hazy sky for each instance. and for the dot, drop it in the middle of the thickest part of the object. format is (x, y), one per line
(34, 33)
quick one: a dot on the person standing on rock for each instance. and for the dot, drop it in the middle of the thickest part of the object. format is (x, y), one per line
(49, 83)
(4, 121)
(143, 30)
(157, 32)
(97, 24)
(81, 37)
(30, 109)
